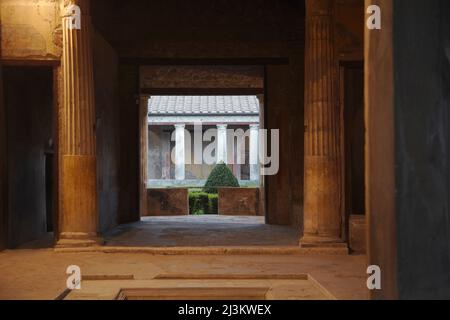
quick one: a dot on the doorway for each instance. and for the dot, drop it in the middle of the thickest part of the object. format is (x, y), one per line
(164, 209)
(352, 99)
(29, 106)
(217, 104)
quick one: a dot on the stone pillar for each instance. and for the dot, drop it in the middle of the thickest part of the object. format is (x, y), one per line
(180, 171)
(165, 154)
(78, 180)
(239, 156)
(221, 150)
(322, 200)
(143, 149)
(254, 149)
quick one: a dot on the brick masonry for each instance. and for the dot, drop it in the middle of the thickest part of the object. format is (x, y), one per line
(168, 202)
(238, 201)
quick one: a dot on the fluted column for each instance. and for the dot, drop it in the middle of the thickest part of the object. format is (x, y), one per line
(322, 200)
(78, 185)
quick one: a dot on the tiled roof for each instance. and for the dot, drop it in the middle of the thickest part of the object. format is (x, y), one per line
(203, 105)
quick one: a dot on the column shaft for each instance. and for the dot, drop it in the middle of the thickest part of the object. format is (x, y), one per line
(78, 188)
(239, 157)
(322, 200)
(254, 149)
(222, 156)
(180, 171)
(165, 154)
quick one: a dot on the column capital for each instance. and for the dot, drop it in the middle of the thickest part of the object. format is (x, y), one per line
(222, 126)
(180, 126)
(254, 126)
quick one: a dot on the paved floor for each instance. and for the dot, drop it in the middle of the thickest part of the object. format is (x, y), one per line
(41, 273)
(202, 231)
(36, 271)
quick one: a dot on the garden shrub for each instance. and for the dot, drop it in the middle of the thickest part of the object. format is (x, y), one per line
(198, 203)
(201, 203)
(213, 203)
(220, 176)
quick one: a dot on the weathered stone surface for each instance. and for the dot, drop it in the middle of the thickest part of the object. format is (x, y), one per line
(322, 202)
(202, 77)
(344, 276)
(238, 201)
(31, 29)
(282, 115)
(78, 172)
(168, 202)
(357, 233)
(380, 154)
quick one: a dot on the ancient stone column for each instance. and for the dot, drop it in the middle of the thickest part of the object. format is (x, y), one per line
(222, 156)
(322, 200)
(78, 173)
(165, 154)
(239, 157)
(254, 149)
(180, 154)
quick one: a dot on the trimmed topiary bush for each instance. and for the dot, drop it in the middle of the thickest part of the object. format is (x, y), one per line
(221, 176)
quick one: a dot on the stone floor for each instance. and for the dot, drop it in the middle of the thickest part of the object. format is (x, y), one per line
(41, 273)
(207, 230)
(37, 271)
(236, 288)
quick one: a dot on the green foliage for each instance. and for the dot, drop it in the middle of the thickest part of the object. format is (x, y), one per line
(198, 203)
(221, 176)
(213, 203)
(203, 203)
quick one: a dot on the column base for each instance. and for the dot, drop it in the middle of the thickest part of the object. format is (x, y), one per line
(79, 240)
(314, 241)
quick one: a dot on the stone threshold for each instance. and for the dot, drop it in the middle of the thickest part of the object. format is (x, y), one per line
(241, 250)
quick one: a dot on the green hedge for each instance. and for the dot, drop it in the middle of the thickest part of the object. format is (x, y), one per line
(203, 203)
(220, 176)
(213, 203)
(198, 203)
